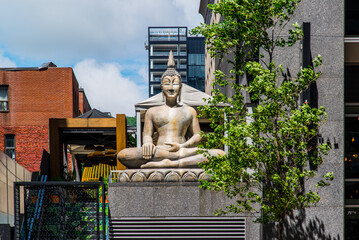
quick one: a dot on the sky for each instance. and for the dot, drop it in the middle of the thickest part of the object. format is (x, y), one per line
(102, 40)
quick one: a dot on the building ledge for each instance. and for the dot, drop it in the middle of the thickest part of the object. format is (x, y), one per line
(354, 39)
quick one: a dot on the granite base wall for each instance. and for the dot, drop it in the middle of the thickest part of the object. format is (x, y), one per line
(170, 199)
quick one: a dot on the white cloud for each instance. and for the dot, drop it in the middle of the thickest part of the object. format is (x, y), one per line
(110, 32)
(143, 72)
(106, 88)
(68, 31)
(189, 8)
(5, 61)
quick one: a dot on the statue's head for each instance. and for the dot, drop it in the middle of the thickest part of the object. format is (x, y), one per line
(171, 82)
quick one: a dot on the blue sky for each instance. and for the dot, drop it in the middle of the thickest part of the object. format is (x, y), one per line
(102, 40)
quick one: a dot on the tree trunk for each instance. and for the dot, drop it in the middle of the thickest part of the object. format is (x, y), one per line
(280, 233)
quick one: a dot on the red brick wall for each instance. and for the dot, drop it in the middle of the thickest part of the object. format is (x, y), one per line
(84, 105)
(34, 97)
(75, 96)
(81, 102)
(29, 144)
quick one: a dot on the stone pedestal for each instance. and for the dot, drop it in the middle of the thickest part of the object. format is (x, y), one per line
(154, 193)
(162, 175)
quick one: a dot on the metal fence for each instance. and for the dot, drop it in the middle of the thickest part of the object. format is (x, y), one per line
(60, 210)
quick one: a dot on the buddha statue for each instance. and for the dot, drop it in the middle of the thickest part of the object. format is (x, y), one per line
(171, 121)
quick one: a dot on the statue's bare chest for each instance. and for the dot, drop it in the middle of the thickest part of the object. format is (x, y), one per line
(172, 118)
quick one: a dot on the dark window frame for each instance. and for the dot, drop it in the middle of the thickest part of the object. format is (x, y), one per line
(10, 149)
(4, 104)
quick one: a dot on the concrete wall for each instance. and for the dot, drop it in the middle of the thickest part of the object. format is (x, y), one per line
(10, 172)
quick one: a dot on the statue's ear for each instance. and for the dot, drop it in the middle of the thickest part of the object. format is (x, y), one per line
(180, 93)
(163, 95)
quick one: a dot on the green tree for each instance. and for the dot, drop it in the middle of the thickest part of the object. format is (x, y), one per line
(131, 121)
(131, 140)
(270, 147)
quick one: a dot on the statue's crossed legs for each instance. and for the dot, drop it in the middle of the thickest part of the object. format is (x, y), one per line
(183, 158)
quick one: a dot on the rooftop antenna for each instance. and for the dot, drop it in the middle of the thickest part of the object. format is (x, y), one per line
(146, 44)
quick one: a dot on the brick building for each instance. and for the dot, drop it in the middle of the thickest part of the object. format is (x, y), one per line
(28, 98)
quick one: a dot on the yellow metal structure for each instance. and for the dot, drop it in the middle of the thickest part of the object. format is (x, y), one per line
(95, 172)
(57, 125)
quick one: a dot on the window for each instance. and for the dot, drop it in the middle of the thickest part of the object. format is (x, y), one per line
(182, 34)
(163, 34)
(163, 49)
(196, 59)
(351, 158)
(10, 145)
(4, 99)
(156, 90)
(351, 17)
(196, 71)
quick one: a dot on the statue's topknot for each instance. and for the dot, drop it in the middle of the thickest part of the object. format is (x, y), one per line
(171, 71)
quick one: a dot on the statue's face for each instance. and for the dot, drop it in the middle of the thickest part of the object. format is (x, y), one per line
(171, 86)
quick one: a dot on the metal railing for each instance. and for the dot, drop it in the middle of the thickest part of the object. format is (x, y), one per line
(60, 210)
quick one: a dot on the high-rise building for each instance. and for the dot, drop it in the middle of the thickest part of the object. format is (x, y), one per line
(188, 53)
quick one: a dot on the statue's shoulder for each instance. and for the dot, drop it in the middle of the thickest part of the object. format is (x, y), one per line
(189, 109)
(153, 110)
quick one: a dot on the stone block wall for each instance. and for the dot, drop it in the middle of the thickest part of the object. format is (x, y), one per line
(163, 200)
(326, 18)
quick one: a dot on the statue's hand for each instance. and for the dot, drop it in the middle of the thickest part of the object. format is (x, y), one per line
(174, 147)
(148, 150)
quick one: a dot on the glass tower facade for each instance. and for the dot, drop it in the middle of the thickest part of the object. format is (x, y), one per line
(196, 68)
(161, 40)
